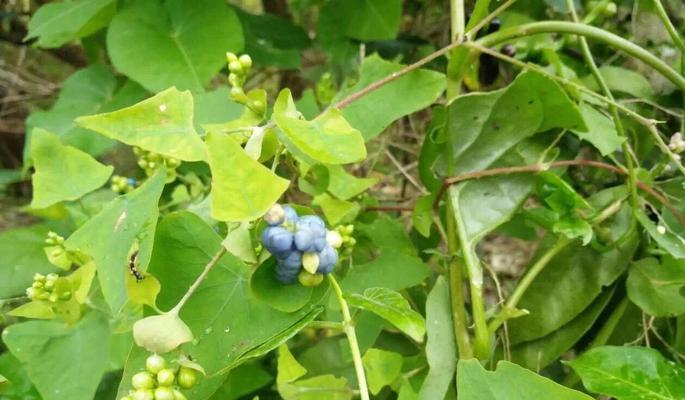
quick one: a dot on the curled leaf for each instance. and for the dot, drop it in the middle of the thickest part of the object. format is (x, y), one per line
(161, 333)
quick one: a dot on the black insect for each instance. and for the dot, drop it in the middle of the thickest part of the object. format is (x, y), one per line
(132, 267)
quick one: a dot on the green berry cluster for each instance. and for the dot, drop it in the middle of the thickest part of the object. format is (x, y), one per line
(347, 240)
(159, 382)
(58, 254)
(122, 184)
(50, 288)
(150, 162)
(238, 69)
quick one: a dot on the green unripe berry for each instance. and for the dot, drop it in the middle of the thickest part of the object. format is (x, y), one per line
(233, 79)
(610, 9)
(230, 57)
(143, 380)
(245, 61)
(309, 280)
(186, 378)
(166, 377)
(236, 67)
(164, 393)
(155, 363)
(144, 394)
(179, 396)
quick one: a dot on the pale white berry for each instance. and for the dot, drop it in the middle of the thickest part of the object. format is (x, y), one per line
(334, 239)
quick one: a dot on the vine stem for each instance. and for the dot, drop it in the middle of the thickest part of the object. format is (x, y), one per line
(627, 152)
(348, 328)
(215, 260)
(556, 164)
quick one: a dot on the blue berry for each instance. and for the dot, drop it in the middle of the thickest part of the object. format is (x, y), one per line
(277, 240)
(292, 260)
(328, 257)
(304, 240)
(320, 243)
(313, 223)
(132, 181)
(290, 215)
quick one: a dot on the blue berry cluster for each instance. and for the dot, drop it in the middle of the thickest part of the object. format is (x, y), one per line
(304, 248)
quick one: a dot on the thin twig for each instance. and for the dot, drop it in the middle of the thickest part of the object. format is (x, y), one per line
(215, 260)
(557, 164)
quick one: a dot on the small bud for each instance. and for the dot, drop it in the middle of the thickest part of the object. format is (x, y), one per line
(334, 239)
(37, 285)
(610, 9)
(230, 57)
(245, 61)
(677, 144)
(236, 67)
(144, 394)
(39, 277)
(53, 297)
(166, 377)
(257, 106)
(234, 80)
(155, 363)
(143, 380)
(186, 378)
(164, 393)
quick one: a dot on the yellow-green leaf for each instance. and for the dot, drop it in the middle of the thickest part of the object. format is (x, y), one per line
(242, 188)
(62, 172)
(327, 139)
(161, 124)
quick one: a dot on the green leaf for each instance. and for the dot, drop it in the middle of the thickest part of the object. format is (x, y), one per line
(539, 353)
(623, 80)
(374, 112)
(657, 287)
(483, 128)
(382, 368)
(186, 39)
(344, 185)
(63, 361)
(336, 211)
(242, 188)
(55, 24)
(673, 243)
(383, 272)
(289, 370)
(320, 387)
(600, 131)
(327, 139)
(242, 381)
(368, 20)
(422, 216)
(215, 107)
(22, 257)
(440, 347)
(161, 333)
(33, 309)
(273, 41)
(87, 91)
(579, 272)
(62, 172)
(109, 236)
(161, 124)
(229, 324)
(286, 298)
(392, 307)
(508, 382)
(630, 373)
(239, 243)
(18, 385)
(142, 292)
